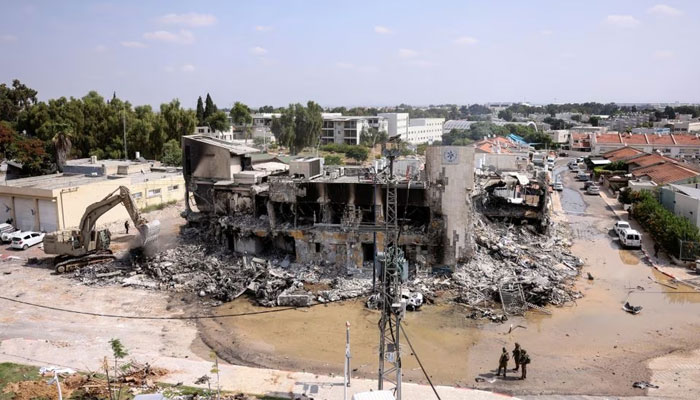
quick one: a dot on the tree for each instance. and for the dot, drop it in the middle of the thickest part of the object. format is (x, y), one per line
(505, 115)
(333, 159)
(118, 352)
(358, 153)
(669, 112)
(218, 122)
(240, 114)
(370, 137)
(200, 111)
(209, 107)
(62, 144)
(594, 120)
(266, 109)
(172, 154)
(298, 126)
(15, 99)
(8, 137)
(177, 121)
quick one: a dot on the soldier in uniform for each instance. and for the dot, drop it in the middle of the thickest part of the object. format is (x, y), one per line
(503, 362)
(524, 361)
(516, 356)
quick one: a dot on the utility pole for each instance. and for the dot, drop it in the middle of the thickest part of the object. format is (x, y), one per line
(390, 302)
(347, 361)
(126, 155)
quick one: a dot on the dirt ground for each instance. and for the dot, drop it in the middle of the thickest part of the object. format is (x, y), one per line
(591, 347)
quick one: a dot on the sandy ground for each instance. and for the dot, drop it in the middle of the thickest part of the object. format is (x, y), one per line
(591, 347)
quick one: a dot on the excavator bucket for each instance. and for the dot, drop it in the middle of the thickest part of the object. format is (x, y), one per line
(149, 232)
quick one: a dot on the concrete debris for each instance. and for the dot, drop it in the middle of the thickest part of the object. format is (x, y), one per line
(224, 277)
(518, 255)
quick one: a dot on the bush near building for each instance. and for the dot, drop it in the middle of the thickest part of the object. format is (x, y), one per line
(666, 228)
(333, 159)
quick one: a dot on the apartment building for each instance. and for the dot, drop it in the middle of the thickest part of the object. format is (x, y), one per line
(424, 130)
(397, 123)
(672, 145)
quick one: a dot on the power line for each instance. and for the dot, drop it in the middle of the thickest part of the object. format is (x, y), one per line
(419, 363)
(184, 317)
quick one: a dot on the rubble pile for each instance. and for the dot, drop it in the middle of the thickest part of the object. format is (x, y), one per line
(224, 277)
(516, 255)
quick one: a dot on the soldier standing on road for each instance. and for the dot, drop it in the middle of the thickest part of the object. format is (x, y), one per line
(524, 361)
(126, 226)
(503, 362)
(516, 356)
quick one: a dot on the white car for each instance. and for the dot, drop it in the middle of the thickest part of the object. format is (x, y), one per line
(558, 186)
(621, 226)
(631, 238)
(7, 236)
(27, 240)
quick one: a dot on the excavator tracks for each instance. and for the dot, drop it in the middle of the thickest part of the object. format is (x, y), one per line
(69, 264)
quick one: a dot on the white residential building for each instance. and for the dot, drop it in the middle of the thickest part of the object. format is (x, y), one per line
(226, 135)
(559, 135)
(398, 123)
(343, 129)
(424, 130)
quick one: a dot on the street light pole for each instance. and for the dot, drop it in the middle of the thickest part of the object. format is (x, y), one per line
(346, 380)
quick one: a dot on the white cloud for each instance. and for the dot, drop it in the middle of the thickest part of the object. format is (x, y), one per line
(136, 45)
(192, 20)
(664, 10)
(622, 21)
(187, 68)
(407, 53)
(100, 48)
(181, 37)
(466, 40)
(8, 38)
(546, 32)
(258, 51)
(169, 68)
(663, 54)
(382, 30)
(263, 28)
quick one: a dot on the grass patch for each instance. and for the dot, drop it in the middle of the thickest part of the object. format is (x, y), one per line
(160, 206)
(10, 372)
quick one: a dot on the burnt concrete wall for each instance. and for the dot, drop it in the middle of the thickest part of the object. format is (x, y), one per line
(208, 161)
(450, 174)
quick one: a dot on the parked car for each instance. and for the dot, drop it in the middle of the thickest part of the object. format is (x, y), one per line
(558, 186)
(630, 238)
(6, 228)
(27, 240)
(621, 226)
(582, 176)
(593, 189)
(587, 184)
(7, 236)
(563, 154)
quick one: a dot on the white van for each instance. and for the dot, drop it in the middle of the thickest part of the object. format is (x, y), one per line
(630, 238)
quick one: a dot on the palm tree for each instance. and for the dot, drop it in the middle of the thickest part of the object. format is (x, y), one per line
(62, 143)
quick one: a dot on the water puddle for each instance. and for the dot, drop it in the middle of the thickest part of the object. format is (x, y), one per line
(629, 257)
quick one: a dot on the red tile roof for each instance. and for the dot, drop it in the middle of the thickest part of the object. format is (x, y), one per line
(660, 139)
(687, 140)
(647, 160)
(634, 139)
(608, 138)
(622, 153)
(665, 173)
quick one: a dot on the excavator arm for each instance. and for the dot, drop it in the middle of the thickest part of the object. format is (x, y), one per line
(148, 231)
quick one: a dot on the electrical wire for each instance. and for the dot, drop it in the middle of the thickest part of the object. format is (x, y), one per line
(146, 317)
(419, 363)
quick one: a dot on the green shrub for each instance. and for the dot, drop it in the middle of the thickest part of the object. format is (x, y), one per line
(333, 159)
(666, 228)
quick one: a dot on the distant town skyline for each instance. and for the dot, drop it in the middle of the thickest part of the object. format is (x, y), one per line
(364, 53)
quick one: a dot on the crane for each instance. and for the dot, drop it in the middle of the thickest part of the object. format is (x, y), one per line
(85, 246)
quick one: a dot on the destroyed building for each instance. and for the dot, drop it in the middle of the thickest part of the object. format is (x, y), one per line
(333, 215)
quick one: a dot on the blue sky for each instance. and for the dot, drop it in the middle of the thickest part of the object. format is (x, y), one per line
(355, 53)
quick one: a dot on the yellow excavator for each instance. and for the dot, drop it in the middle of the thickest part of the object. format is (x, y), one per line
(77, 248)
